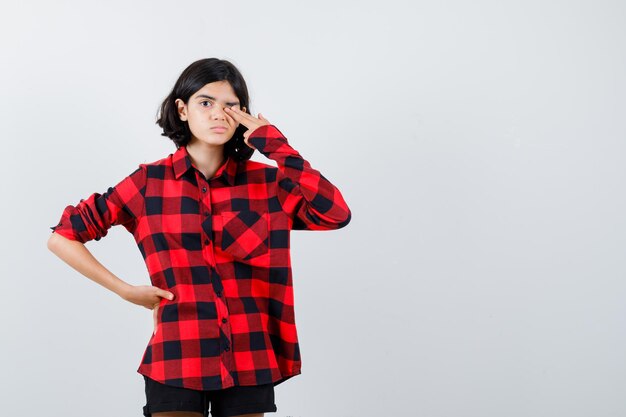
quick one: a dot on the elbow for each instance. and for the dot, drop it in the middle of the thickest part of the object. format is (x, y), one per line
(53, 242)
(345, 222)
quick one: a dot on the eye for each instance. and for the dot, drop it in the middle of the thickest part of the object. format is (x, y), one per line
(205, 101)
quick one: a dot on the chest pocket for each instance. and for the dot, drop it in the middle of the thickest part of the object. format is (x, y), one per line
(245, 233)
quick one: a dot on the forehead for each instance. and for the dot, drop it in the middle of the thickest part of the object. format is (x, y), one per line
(218, 89)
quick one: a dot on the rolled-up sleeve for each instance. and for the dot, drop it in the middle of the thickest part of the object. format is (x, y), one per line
(92, 217)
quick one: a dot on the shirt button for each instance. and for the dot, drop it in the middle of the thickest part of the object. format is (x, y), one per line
(224, 320)
(206, 241)
(206, 213)
(219, 293)
(204, 189)
(226, 348)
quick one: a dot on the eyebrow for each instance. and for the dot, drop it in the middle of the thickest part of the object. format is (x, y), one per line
(232, 103)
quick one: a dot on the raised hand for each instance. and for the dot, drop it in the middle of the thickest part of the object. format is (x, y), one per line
(249, 121)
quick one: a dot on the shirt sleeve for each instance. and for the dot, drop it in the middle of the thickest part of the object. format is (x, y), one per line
(92, 217)
(308, 197)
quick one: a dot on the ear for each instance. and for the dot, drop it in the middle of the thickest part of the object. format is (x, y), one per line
(182, 109)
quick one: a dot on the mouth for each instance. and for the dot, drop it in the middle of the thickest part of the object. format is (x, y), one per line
(219, 129)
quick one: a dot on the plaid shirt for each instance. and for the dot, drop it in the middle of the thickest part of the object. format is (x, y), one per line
(222, 247)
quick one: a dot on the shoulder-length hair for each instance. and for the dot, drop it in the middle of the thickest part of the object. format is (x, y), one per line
(192, 79)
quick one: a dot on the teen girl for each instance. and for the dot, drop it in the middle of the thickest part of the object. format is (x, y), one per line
(213, 228)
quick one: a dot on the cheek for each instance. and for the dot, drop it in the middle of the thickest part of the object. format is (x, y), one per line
(193, 122)
(199, 118)
(196, 125)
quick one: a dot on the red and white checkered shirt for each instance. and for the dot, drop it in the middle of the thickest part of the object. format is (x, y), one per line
(222, 247)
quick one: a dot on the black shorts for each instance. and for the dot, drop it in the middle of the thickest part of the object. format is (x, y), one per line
(224, 403)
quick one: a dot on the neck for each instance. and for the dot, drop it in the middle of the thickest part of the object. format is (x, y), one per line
(206, 158)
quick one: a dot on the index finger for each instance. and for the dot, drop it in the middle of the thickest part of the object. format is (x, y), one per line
(237, 113)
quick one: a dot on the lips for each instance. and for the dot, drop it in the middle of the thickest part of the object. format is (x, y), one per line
(219, 129)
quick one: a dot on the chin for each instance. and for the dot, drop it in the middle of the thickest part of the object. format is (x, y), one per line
(216, 139)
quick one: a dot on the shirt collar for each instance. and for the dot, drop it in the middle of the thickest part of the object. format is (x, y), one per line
(181, 163)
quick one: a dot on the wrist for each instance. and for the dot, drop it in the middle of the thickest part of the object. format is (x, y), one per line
(123, 290)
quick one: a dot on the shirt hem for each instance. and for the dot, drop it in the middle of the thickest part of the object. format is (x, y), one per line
(280, 380)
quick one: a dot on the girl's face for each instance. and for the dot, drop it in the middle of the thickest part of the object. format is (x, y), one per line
(205, 111)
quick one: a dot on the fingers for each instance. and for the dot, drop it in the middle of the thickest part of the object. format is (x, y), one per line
(231, 119)
(239, 114)
(263, 118)
(154, 316)
(165, 294)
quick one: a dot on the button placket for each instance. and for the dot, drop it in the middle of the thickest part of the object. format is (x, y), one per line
(205, 207)
(220, 302)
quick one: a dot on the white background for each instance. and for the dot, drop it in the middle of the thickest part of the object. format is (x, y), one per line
(479, 144)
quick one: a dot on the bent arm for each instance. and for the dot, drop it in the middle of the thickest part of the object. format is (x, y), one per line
(307, 196)
(76, 255)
